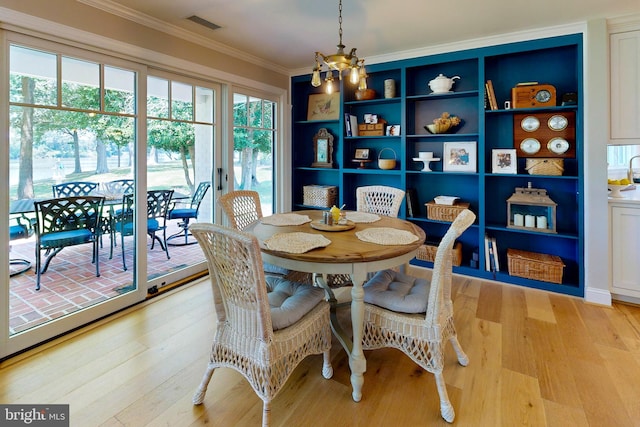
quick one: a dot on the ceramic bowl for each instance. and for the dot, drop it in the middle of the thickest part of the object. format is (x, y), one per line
(438, 128)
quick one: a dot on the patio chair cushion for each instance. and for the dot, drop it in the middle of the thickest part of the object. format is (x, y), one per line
(290, 301)
(66, 238)
(18, 232)
(397, 292)
(183, 213)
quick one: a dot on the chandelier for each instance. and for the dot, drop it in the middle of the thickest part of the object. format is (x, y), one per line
(340, 62)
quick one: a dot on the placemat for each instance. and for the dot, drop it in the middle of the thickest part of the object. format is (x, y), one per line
(386, 236)
(362, 217)
(296, 242)
(285, 219)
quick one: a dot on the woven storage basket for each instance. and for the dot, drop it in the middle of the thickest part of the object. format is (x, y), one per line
(323, 196)
(536, 266)
(545, 166)
(386, 163)
(446, 213)
(427, 252)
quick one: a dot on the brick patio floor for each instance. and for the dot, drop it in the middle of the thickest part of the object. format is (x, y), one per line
(70, 284)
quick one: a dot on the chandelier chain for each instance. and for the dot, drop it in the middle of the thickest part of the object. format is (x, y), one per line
(340, 20)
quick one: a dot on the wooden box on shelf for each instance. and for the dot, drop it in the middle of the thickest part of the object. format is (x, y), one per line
(323, 196)
(536, 266)
(427, 252)
(372, 129)
(446, 213)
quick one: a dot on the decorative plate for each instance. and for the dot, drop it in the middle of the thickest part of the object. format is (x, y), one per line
(296, 242)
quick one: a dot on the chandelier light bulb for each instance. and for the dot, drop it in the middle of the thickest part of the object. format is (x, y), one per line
(354, 75)
(315, 78)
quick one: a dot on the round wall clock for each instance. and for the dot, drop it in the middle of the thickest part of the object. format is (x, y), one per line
(558, 145)
(557, 122)
(530, 145)
(530, 123)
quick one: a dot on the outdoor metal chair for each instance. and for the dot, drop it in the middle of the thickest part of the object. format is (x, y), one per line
(186, 212)
(63, 222)
(158, 202)
(415, 316)
(265, 326)
(77, 188)
(22, 229)
(119, 186)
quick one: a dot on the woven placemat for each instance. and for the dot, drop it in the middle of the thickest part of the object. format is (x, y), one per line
(296, 243)
(386, 236)
(285, 219)
(362, 217)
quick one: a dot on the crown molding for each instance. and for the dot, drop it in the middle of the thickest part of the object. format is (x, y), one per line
(623, 24)
(579, 27)
(175, 31)
(41, 28)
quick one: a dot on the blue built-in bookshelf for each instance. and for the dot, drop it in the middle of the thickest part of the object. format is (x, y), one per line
(556, 61)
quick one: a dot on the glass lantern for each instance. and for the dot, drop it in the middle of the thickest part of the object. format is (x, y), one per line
(531, 209)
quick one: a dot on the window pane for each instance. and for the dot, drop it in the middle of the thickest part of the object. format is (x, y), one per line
(268, 114)
(33, 76)
(255, 112)
(157, 97)
(119, 90)
(239, 110)
(204, 101)
(80, 84)
(181, 101)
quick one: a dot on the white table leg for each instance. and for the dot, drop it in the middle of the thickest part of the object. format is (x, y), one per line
(357, 362)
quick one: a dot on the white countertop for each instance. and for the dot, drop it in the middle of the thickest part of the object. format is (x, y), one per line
(630, 197)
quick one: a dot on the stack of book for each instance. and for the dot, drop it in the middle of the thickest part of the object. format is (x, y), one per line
(492, 260)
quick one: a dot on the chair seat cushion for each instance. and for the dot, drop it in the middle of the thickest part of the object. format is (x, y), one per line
(290, 301)
(183, 213)
(398, 292)
(66, 238)
(18, 232)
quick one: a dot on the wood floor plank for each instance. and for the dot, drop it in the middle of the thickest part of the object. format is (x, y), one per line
(516, 341)
(539, 306)
(558, 415)
(524, 405)
(490, 302)
(624, 371)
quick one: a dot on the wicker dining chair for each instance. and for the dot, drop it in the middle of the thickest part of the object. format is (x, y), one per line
(379, 199)
(265, 325)
(415, 316)
(242, 208)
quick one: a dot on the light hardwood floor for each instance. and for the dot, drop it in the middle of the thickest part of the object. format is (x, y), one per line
(536, 359)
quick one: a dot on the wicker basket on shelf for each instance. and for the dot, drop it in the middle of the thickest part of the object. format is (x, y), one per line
(553, 167)
(427, 252)
(323, 196)
(536, 266)
(446, 213)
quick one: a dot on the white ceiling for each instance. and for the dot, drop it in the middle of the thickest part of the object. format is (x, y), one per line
(288, 32)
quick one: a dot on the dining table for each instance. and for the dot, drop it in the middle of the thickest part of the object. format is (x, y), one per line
(363, 244)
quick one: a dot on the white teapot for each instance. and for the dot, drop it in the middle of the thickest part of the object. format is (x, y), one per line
(442, 84)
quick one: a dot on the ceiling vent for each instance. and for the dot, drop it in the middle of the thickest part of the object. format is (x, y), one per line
(203, 22)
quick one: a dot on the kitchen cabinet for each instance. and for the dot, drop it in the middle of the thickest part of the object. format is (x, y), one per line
(415, 106)
(625, 86)
(624, 249)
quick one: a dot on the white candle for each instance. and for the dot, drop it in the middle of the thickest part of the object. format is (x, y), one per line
(518, 220)
(541, 222)
(530, 221)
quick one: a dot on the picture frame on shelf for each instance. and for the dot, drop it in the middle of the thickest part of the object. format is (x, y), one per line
(393, 130)
(362, 154)
(323, 106)
(504, 160)
(322, 149)
(460, 156)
